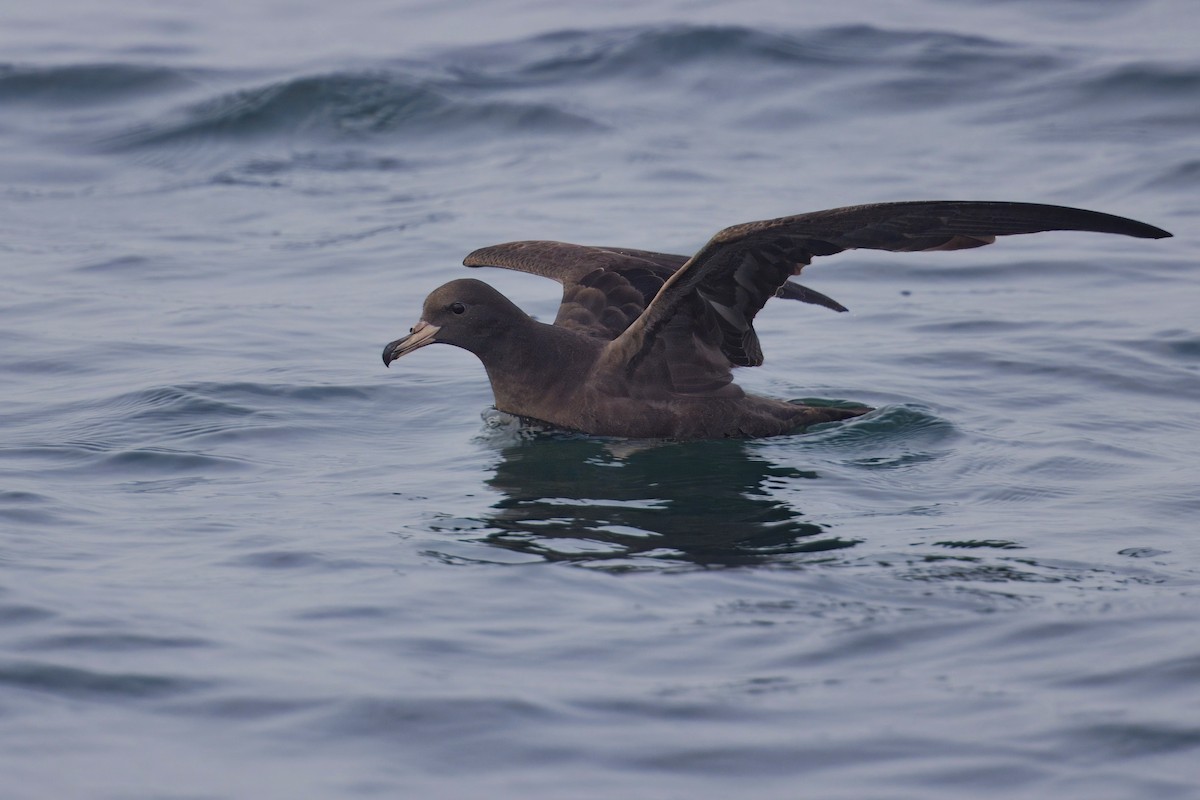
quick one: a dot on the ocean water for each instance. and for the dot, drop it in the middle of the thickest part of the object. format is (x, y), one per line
(239, 558)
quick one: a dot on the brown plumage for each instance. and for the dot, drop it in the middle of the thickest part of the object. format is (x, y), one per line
(644, 343)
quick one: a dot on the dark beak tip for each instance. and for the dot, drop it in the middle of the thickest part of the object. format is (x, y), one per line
(422, 335)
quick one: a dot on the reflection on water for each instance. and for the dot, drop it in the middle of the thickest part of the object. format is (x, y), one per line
(700, 503)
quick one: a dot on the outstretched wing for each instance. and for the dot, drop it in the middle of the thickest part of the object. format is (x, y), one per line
(742, 266)
(605, 288)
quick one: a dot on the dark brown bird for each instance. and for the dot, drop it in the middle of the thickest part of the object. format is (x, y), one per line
(644, 343)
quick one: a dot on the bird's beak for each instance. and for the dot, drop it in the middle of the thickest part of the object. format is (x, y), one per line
(421, 334)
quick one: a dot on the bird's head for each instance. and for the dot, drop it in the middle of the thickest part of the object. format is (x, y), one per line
(466, 313)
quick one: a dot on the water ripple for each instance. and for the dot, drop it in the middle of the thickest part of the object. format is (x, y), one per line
(87, 683)
(87, 84)
(344, 106)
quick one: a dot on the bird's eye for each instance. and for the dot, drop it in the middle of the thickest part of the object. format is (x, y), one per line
(458, 308)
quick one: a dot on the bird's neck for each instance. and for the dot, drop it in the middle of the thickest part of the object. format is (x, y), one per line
(537, 368)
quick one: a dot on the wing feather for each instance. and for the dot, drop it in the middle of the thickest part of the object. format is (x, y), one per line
(744, 265)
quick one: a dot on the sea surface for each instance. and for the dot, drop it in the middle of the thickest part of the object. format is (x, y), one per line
(240, 559)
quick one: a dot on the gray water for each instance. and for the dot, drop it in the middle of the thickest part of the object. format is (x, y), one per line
(240, 559)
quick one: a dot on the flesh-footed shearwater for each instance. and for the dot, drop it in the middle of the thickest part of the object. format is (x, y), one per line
(644, 343)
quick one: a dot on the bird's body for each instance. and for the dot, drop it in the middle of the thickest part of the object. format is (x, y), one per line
(560, 382)
(644, 343)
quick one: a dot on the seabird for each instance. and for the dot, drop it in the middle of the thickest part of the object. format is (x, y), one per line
(644, 343)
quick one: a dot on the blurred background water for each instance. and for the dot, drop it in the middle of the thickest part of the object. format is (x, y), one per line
(238, 558)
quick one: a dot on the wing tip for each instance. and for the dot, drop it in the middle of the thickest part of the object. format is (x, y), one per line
(1151, 232)
(500, 255)
(1130, 227)
(475, 258)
